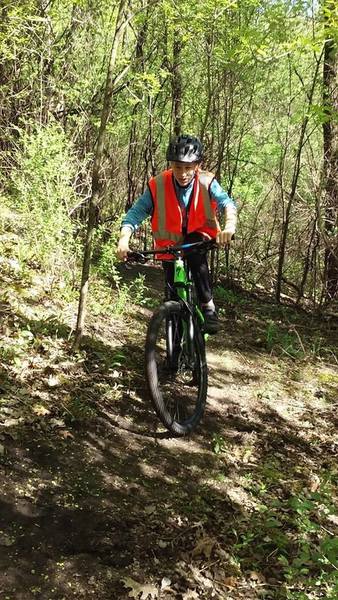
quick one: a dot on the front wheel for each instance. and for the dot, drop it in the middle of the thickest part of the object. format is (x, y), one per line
(176, 368)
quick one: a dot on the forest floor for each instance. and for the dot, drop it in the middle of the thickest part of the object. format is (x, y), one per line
(97, 501)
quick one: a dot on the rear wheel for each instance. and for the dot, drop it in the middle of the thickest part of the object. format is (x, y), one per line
(176, 368)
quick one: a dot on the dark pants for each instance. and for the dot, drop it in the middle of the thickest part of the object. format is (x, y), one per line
(198, 264)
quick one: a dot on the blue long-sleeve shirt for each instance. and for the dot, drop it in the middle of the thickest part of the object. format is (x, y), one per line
(143, 207)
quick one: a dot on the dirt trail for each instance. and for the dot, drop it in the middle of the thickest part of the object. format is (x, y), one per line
(109, 506)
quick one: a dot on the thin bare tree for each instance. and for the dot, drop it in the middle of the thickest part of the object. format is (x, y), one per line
(94, 201)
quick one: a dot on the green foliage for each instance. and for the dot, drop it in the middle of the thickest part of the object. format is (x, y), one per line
(228, 296)
(44, 197)
(14, 350)
(282, 341)
(121, 299)
(290, 529)
(316, 551)
(219, 445)
(54, 65)
(77, 410)
(107, 261)
(127, 294)
(131, 294)
(119, 359)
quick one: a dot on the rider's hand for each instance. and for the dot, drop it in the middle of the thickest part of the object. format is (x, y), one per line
(224, 237)
(123, 244)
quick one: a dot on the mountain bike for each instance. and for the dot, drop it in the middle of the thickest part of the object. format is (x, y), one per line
(175, 359)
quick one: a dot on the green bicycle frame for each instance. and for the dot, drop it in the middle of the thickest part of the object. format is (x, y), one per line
(184, 286)
(181, 278)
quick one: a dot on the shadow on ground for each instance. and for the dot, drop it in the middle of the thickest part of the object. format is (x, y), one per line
(106, 494)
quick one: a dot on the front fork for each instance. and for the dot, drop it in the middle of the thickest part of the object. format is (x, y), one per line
(183, 286)
(184, 291)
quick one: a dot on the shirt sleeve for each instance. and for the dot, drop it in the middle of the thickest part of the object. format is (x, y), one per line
(141, 209)
(221, 196)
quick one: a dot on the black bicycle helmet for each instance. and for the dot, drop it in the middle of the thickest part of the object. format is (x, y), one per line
(185, 148)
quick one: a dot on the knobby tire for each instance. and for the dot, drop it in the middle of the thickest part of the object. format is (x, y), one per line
(178, 390)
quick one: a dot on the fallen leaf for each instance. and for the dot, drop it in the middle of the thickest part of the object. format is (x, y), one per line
(57, 423)
(13, 264)
(230, 582)
(64, 433)
(247, 454)
(53, 381)
(165, 583)
(333, 519)
(190, 595)
(149, 590)
(200, 578)
(257, 577)
(204, 547)
(145, 590)
(314, 483)
(11, 422)
(40, 410)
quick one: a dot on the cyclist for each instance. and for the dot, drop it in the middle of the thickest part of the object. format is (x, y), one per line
(182, 203)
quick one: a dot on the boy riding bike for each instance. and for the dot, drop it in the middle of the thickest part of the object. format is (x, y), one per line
(182, 203)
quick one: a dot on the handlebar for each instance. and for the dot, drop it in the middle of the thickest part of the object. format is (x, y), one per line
(176, 251)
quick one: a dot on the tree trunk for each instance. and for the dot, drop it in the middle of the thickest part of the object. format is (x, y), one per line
(294, 184)
(307, 262)
(330, 138)
(133, 171)
(209, 51)
(177, 84)
(95, 197)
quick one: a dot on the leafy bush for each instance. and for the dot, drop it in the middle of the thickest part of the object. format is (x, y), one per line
(104, 300)
(228, 296)
(286, 342)
(44, 197)
(107, 260)
(129, 294)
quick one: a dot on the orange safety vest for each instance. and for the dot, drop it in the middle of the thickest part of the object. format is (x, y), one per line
(167, 218)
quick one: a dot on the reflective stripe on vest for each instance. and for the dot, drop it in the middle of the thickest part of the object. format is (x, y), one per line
(205, 180)
(160, 196)
(164, 234)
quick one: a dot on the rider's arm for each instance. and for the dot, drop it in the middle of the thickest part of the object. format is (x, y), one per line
(132, 220)
(227, 205)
